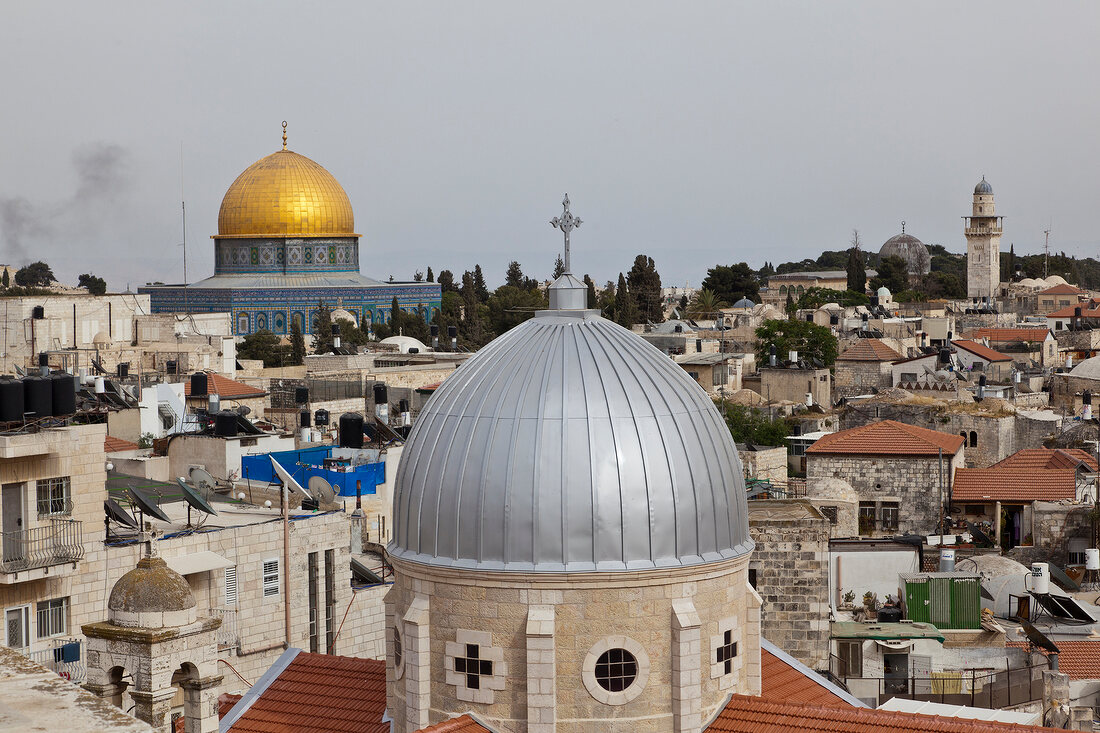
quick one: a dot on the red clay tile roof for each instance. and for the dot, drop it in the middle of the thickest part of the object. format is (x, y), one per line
(1079, 659)
(744, 714)
(319, 692)
(226, 388)
(115, 445)
(869, 350)
(888, 438)
(461, 724)
(980, 350)
(1061, 290)
(1048, 458)
(1071, 310)
(781, 681)
(1003, 335)
(1013, 484)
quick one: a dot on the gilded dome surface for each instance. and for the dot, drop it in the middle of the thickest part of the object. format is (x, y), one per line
(286, 194)
(569, 444)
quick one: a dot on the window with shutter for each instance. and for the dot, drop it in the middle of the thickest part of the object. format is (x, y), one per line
(271, 578)
(231, 587)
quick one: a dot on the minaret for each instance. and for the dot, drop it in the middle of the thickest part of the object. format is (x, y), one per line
(983, 247)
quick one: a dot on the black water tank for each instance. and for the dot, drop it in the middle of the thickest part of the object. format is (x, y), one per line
(38, 396)
(200, 384)
(414, 350)
(381, 395)
(38, 313)
(43, 359)
(123, 370)
(63, 389)
(225, 424)
(1086, 397)
(11, 400)
(889, 614)
(403, 406)
(320, 418)
(351, 430)
(304, 418)
(433, 330)
(945, 356)
(301, 395)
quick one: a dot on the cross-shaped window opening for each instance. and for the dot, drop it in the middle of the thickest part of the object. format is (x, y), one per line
(726, 652)
(473, 666)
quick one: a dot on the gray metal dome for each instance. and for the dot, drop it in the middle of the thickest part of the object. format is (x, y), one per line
(910, 249)
(983, 187)
(744, 303)
(569, 444)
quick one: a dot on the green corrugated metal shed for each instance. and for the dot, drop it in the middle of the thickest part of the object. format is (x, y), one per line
(946, 600)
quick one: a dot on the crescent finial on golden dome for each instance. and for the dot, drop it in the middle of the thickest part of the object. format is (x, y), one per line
(284, 134)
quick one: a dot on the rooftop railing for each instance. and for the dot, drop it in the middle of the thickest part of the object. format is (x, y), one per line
(57, 543)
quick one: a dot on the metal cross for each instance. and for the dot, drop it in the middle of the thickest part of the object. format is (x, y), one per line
(567, 223)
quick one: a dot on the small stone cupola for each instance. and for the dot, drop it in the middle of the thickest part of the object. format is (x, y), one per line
(152, 595)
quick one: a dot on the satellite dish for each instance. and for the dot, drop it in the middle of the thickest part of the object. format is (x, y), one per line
(244, 410)
(204, 483)
(117, 513)
(146, 506)
(321, 490)
(194, 498)
(287, 479)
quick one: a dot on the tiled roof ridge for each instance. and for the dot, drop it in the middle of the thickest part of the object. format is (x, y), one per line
(225, 387)
(842, 442)
(981, 350)
(869, 349)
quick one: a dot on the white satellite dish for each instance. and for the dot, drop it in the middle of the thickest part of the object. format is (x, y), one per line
(204, 483)
(321, 490)
(287, 479)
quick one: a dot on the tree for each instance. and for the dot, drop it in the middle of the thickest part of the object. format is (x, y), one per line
(817, 297)
(322, 332)
(479, 284)
(265, 346)
(1009, 272)
(297, 344)
(418, 277)
(705, 304)
(731, 283)
(808, 339)
(514, 275)
(559, 268)
(36, 274)
(857, 274)
(591, 301)
(683, 303)
(5, 280)
(645, 286)
(626, 308)
(606, 300)
(893, 274)
(473, 320)
(509, 306)
(431, 275)
(95, 285)
(447, 281)
(350, 334)
(753, 425)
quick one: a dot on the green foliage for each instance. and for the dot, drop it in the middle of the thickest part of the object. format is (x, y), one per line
(401, 323)
(559, 268)
(297, 344)
(828, 260)
(606, 300)
(350, 334)
(447, 281)
(626, 308)
(910, 296)
(591, 292)
(5, 279)
(731, 283)
(644, 284)
(322, 333)
(509, 306)
(95, 285)
(817, 297)
(479, 284)
(808, 339)
(704, 304)
(431, 275)
(264, 345)
(418, 277)
(36, 274)
(514, 275)
(893, 274)
(753, 425)
(857, 273)
(146, 440)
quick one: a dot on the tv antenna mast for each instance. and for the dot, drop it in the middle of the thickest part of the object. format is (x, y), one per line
(1046, 251)
(183, 210)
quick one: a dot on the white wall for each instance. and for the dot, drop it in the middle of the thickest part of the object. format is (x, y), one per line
(869, 570)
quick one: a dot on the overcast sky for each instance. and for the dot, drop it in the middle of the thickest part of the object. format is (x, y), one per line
(697, 133)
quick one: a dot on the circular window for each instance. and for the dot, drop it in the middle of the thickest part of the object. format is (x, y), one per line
(616, 670)
(398, 653)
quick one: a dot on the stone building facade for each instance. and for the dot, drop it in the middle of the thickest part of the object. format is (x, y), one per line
(983, 246)
(790, 569)
(793, 384)
(864, 368)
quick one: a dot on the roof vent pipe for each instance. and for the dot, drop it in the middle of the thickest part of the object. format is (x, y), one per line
(771, 355)
(435, 337)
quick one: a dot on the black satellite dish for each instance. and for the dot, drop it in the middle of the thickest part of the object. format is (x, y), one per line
(117, 513)
(147, 507)
(194, 499)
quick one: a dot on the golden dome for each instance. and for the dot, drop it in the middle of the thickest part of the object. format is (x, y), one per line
(286, 194)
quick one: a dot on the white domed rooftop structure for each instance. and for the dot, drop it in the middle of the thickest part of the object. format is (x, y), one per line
(1055, 280)
(883, 292)
(1087, 369)
(404, 343)
(910, 249)
(1029, 282)
(569, 444)
(152, 595)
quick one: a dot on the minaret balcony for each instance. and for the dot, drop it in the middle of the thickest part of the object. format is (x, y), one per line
(979, 231)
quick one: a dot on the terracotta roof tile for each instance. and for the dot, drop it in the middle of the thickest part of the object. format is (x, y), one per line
(1061, 290)
(869, 350)
(1013, 484)
(781, 681)
(744, 714)
(1049, 458)
(112, 444)
(1010, 335)
(461, 724)
(1071, 310)
(1079, 659)
(980, 350)
(226, 388)
(888, 438)
(319, 692)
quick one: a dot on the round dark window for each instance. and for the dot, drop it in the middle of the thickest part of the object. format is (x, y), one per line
(616, 670)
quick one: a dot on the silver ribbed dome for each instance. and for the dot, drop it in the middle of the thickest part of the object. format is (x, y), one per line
(569, 444)
(910, 249)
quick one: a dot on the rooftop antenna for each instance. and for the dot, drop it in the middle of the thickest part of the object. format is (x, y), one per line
(1046, 250)
(183, 209)
(566, 223)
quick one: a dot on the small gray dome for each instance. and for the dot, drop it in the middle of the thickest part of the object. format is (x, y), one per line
(569, 444)
(744, 303)
(151, 594)
(983, 187)
(910, 249)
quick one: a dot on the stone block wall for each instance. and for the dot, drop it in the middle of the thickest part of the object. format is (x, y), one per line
(769, 464)
(861, 377)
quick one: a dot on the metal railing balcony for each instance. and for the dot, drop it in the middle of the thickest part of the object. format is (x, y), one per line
(227, 633)
(65, 657)
(57, 543)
